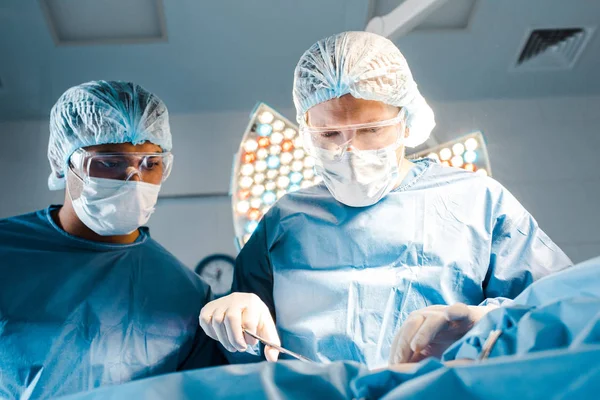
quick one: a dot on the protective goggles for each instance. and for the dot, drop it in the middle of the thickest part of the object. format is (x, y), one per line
(369, 136)
(152, 168)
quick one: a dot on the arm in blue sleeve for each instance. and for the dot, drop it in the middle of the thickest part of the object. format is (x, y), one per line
(253, 270)
(521, 253)
(204, 351)
(254, 274)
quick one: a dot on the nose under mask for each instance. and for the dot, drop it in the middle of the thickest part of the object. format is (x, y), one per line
(112, 207)
(359, 179)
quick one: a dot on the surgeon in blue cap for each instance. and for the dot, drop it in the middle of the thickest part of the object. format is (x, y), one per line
(384, 247)
(87, 297)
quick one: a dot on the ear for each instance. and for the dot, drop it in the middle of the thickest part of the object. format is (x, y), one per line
(406, 132)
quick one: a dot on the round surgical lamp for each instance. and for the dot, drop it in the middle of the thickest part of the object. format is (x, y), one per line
(270, 163)
(467, 152)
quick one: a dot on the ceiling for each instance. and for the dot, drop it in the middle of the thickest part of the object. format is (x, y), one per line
(228, 54)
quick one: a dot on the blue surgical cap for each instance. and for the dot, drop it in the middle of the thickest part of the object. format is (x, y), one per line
(101, 112)
(366, 66)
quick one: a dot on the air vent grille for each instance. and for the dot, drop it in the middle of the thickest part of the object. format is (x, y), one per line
(552, 48)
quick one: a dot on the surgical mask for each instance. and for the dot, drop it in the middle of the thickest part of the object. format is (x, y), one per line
(359, 179)
(113, 207)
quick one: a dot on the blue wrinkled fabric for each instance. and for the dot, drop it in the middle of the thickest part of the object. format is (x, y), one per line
(340, 280)
(556, 369)
(561, 311)
(76, 314)
(549, 375)
(283, 380)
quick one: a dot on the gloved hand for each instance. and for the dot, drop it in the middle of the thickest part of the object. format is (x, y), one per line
(431, 330)
(224, 320)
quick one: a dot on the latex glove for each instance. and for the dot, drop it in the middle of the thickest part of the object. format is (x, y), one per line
(224, 320)
(431, 330)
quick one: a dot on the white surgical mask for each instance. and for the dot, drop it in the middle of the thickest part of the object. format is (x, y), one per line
(359, 179)
(113, 207)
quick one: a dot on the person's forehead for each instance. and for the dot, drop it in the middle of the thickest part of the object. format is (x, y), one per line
(347, 110)
(146, 147)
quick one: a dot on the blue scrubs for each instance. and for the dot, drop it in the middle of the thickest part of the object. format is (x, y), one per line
(76, 314)
(561, 311)
(341, 280)
(549, 349)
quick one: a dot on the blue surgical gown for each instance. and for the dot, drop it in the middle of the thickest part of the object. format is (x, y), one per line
(341, 280)
(549, 349)
(561, 311)
(76, 314)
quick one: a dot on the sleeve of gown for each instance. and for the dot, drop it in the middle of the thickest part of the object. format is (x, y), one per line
(204, 352)
(253, 271)
(521, 253)
(254, 274)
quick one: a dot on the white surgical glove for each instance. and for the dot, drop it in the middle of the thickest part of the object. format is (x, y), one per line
(224, 320)
(431, 330)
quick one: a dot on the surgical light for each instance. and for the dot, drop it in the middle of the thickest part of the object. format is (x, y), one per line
(470, 156)
(289, 133)
(457, 161)
(296, 177)
(246, 182)
(244, 194)
(286, 158)
(251, 227)
(273, 162)
(287, 145)
(258, 190)
(283, 182)
(259, 178)
(247, 169)
(260, 165)
(249, 158)
(270, 185)
(470, 153)
(297, 165)
(270, 163)
(276, 138)
(243, 207)
(264, 129)
(266, 117)
(445, 154)
(269, 198)
(458, 149)
(471, 144)
(261, 154)
(275, 150)
(255, 203)
(433, 156)
(264, 142)
(251, 145)
(254, 214)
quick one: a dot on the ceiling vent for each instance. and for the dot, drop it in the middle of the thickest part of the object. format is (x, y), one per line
(546, 49)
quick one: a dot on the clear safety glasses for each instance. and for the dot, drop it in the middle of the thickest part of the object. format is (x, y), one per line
(336, 140)
(149, 167)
